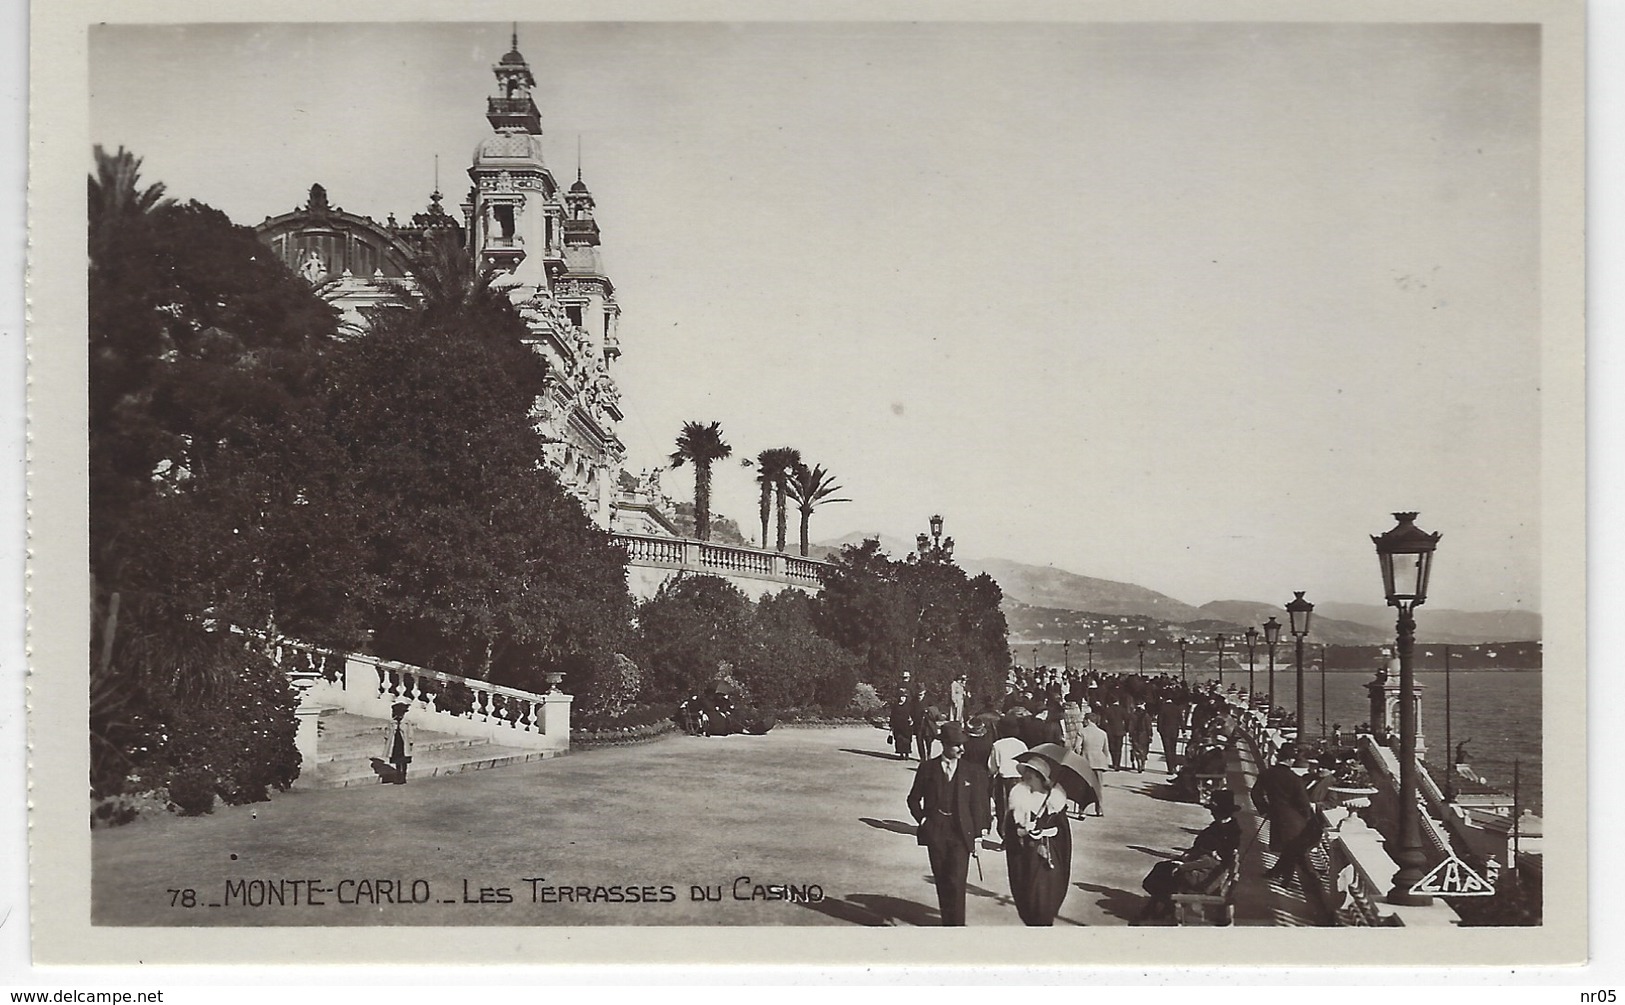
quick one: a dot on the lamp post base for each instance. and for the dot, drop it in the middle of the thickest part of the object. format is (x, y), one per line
(1401, 896)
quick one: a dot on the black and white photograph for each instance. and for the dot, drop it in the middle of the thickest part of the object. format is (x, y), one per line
(1108, 473)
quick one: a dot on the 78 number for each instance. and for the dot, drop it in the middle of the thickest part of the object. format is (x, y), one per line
(188, 898)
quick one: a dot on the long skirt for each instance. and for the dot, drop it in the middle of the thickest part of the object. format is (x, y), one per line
(1039, 888)
(1140, 747)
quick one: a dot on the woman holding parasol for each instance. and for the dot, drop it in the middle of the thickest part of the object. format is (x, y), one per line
(1038, 835)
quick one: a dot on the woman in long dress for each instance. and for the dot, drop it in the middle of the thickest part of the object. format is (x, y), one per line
(1038, 845)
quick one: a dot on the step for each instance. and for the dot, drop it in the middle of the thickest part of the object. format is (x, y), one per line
(345, 748)
(359, 771)
(348, 744)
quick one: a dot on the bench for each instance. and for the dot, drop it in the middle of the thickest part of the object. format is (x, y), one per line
(1221, 894)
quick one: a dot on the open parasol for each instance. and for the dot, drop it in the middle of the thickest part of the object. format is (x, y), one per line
(1069, 770)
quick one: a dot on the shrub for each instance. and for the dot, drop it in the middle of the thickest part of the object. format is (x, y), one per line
(113, 812)
(191, 792)
(198, 715)
(637, 715)
(609, 689)
(866, 700)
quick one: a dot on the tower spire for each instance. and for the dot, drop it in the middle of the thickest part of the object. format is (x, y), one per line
(578, 156)
(512, 108)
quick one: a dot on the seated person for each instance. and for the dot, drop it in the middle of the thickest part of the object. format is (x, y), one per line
(1209, 760)
(1203, 868)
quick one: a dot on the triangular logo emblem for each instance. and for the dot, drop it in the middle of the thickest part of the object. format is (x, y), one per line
(1453, 878)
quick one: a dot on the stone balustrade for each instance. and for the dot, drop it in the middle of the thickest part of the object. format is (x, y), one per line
(1352, 867)
(461, 706)
(726, 560)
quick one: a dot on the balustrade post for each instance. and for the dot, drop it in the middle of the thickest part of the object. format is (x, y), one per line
(307, 734)
(556, 717)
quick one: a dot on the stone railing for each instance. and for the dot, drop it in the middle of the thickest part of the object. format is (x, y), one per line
(1357, 866)
(721, 559)
(461, 706)
(1352, 867)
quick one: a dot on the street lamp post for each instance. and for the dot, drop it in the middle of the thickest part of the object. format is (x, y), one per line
(1323, 696)
(1066, 657)
(1183, 642)
(1450, 751)
(1299, 612)
(935, 548)
(1272, 635)
(1406, 555)
(1142, 657)
(1219, 641)
(1252, 643)
(1090, 642)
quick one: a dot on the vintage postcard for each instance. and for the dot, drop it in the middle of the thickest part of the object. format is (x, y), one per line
(791, 481)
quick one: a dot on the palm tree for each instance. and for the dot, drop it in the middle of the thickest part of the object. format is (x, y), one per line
(776, 466)
(764, 481)
(701, 445)
(447, 284)
(114, 189)
(810, 488)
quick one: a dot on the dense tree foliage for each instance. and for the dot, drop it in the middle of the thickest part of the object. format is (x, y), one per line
(478, 562)
(213, 496)
(923, 618)
(793, 666)
(697, 627)
(690, 628)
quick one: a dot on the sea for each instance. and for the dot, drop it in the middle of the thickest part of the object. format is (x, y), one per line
(1497, 713)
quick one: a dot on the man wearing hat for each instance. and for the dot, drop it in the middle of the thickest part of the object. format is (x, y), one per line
(1202, 868)
(1281, 794)
(956, 699)
(398, 742)
(949, 801)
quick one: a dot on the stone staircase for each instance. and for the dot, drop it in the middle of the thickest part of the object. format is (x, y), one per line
(351, 746)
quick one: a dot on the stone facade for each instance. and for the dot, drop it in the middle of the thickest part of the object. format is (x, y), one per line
(542, 243)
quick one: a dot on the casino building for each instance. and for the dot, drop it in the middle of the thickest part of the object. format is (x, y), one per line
(543, 243)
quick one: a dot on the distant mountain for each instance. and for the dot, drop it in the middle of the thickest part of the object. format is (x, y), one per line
(896, 547)
(1054, 596)
(1441, 624)
(1047, 586)
(1324, 629)
(1359, 624)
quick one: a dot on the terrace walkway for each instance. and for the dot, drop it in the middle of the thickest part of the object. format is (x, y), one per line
(676, 819)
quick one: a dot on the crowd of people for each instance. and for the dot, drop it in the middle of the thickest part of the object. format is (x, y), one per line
(1025, 765)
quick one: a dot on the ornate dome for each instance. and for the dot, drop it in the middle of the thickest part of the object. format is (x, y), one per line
(509, 149)
(512, 58)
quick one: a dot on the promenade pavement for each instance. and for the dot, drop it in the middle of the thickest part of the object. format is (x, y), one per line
(683, 830)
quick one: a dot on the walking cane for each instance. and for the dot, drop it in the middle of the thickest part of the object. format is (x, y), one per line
(976, 853)
(1262, 820)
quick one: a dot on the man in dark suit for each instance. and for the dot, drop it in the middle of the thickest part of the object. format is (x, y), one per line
(1170, 717)
(925, 723)
(949, 801)
(1114, 720)
(1282, 795)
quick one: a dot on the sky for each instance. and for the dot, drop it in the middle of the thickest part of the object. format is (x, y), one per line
(1193, 306)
